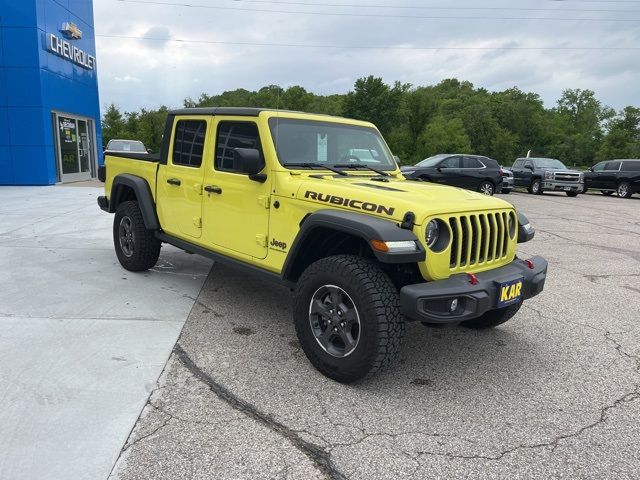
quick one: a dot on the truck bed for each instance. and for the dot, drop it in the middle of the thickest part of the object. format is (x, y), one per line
(139, 164)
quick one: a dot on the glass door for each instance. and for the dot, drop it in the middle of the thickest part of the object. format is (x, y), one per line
(75, 149)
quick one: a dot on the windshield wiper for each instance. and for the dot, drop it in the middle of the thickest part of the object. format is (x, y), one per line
(316, 165)
(362, 165)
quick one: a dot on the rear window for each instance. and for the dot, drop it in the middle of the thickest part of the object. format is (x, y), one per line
(631, 166)
(188, 143)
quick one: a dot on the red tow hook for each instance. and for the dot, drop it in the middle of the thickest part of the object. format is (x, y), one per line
(530, 264)
(473, 280)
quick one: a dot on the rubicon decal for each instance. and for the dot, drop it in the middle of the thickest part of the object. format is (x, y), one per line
(347, 202)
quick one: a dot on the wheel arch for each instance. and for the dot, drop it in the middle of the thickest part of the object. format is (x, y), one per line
(126, 187)
(330, 232)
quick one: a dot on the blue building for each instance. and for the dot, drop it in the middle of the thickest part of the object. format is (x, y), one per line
(49, 105)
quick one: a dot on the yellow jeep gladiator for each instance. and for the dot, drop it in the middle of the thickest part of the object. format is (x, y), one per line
(318, 203)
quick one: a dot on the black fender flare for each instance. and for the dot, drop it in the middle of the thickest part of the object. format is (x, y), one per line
(143, 194)
(365, 227)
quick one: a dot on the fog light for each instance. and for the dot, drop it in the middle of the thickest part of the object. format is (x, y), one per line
(454, 305)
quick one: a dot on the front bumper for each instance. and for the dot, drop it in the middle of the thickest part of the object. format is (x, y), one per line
(556, 185)
(429, 302)
(507, 183)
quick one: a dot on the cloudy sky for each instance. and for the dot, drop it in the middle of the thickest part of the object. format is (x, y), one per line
(159, 52)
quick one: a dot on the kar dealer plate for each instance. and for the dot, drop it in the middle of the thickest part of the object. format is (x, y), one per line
(509, 292)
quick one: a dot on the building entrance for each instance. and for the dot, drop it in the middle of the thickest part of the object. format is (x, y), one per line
(75, 148)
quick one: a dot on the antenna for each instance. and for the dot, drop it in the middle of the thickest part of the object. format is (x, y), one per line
(529, 154)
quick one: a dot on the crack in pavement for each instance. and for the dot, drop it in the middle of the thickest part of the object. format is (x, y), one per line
(320, 457)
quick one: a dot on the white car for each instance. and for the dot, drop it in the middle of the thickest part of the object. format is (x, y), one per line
(129, 146)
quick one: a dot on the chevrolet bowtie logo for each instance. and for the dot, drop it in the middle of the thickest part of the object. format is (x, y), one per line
(71, 30)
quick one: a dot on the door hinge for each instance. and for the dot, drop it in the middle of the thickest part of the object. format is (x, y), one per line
(261, 240)
(197, 221)
(264, 201)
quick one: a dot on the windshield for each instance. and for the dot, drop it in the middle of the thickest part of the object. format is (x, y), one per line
(307, 141)
(432, 161)
(550, 163)
(126, 146)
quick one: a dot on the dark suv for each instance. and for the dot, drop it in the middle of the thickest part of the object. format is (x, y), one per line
(472, 172)
(546, 174)
(620, 176)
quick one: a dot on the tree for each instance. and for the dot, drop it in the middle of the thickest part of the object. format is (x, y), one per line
(622, 139)
(443, 136)
(113, 124)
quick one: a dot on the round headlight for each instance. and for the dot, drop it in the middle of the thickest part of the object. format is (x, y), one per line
(433, 233)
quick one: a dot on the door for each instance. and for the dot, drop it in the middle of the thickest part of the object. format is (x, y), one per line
(236, 208)
(593, 179)
(448, 172)
(471, 172)
(179, 182)
(75, 151)
(608, 178)
(525, 174)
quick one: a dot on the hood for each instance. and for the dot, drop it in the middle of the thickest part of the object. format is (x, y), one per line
(564, 170)
(392, 199)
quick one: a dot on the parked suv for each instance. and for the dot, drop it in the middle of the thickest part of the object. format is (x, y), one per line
(472, 172)
(620, 176)
(539, 175)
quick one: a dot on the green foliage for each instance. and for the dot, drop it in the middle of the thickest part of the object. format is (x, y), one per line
(452, 116)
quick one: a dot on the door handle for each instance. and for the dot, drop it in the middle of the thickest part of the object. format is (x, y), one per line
(213, 189)
(173, 181)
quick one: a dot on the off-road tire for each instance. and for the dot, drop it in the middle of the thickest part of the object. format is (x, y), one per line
(486, 187)
(572, 194)
(624, 190)
(606, 193)
(376, 300)
(536, 187)
(146, 247)
(493, 318)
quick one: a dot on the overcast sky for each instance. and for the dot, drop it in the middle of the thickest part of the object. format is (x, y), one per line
(492, 43)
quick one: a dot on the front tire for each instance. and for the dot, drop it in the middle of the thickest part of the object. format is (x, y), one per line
(606, 193)
(572, 194)
(493, 318)
(347, 317)
(506, 190)
(536, 187)
(487, 188)
(136, 247)
(624, 190)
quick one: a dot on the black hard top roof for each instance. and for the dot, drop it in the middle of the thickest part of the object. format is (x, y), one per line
(238, 111)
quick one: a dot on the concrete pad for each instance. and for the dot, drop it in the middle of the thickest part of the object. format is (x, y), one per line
(83, 341)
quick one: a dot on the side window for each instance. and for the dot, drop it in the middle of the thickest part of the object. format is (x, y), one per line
(451, 162)
(518, 163)
(471, 162)
(615, 166)
(631, 166)
(528, 163)
(599, 167)
(188, 143)
(234, 135)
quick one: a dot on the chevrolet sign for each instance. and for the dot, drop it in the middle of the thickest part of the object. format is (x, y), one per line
(62, 48)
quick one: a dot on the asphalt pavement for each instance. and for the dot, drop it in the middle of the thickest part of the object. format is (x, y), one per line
(554, 393)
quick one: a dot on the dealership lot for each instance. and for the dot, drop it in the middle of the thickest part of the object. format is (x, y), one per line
(553, 393)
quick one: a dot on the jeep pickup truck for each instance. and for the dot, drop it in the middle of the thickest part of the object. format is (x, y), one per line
(292, 197)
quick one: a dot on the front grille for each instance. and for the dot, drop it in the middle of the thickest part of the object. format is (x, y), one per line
(567, 177)
(479, 239)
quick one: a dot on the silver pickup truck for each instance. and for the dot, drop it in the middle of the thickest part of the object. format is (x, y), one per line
(539, 175)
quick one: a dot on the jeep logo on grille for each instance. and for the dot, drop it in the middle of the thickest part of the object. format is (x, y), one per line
(346, 202)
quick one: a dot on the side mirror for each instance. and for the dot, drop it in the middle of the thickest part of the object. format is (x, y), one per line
(248, 161)
(590, 169)
(149, 150)
(529, 167)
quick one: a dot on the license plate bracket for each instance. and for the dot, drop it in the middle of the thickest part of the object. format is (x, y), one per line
(510, 292)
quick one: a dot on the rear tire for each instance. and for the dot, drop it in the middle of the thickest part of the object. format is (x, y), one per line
(624, 190)
(493, 318)
(136, 247)
(536, 187)
(487, 188)
(347, 317)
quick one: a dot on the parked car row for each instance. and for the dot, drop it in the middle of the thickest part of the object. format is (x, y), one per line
(537, 175)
